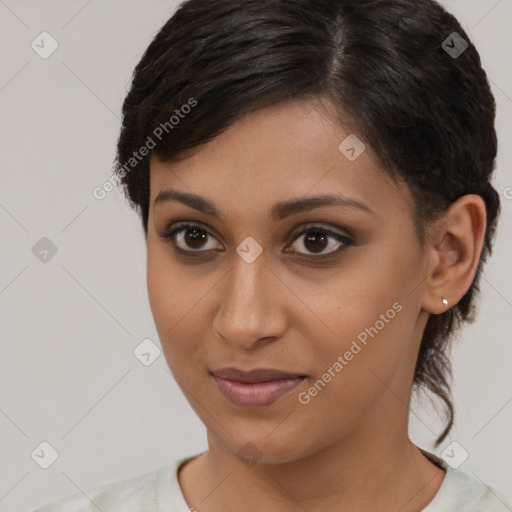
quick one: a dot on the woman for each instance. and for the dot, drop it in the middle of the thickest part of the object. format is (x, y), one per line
(313, 179)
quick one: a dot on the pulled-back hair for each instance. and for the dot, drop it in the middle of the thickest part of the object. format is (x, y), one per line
(389, 72)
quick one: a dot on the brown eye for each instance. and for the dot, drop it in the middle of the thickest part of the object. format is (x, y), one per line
(195, 238)
(321, 242)
(316, 241)
(190, 238)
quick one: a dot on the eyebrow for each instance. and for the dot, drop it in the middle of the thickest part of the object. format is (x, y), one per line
(278, 212)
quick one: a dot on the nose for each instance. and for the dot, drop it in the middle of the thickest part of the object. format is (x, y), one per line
(252, 307)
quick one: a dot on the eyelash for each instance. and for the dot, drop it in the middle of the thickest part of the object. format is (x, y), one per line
(346, 242)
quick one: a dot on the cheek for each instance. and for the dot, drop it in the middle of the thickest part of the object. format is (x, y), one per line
(355, 366)
(168, 284)
(165, 292)
(161, 285)
(368, 334)
(176, 301)
(371, 325)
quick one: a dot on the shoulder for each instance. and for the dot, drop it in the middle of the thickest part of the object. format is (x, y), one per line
(129, 495)
(469, 493)
(464, 492)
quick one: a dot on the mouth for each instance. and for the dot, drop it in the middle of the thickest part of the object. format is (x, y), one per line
(255, 388)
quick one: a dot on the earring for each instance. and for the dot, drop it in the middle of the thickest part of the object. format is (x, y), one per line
(445, 302)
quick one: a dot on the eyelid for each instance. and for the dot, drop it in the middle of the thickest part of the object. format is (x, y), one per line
(318, 225)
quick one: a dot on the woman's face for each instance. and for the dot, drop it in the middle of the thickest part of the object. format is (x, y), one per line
(340, 304)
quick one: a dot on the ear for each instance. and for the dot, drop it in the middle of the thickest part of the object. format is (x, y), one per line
(454, 248)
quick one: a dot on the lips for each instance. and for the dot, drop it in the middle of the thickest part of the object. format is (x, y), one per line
(258, 375)
(255, 388)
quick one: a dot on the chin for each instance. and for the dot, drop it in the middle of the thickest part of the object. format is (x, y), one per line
(265, 449)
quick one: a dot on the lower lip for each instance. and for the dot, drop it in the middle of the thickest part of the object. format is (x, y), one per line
(256, 394)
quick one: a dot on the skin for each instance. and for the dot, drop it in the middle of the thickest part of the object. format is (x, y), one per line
(348, 448)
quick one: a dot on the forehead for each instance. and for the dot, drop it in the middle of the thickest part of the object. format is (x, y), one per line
(289, 150)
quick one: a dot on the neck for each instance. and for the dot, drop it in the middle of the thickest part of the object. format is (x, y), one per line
(379, 470)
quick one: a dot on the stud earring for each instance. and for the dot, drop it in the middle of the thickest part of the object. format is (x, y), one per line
(445, 302)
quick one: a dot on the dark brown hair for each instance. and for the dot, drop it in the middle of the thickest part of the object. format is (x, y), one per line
(390, 69)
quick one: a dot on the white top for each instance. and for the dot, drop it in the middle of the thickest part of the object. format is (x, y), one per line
(159, 491)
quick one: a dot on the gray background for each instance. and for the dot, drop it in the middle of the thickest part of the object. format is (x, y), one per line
(70, 324)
